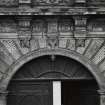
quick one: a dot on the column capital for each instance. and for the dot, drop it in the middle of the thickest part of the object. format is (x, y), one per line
(101, 92)
(102, 96)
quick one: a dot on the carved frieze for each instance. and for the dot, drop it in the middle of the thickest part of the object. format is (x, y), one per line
(8, 2)
(7, 26)
(52, 2)
(24, 1)
(24, 31)
(96, 2)
(52, 27)
(80, 31)
(96, 25)
(38, 28)
(66, 27)
(52, 42)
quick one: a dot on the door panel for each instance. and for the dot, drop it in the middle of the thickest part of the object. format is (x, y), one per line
(30, 93)
(80, 93)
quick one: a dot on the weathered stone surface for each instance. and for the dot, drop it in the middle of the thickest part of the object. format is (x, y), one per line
(3, 66)
(94, 46)
(71, 44)
(8, 3)
(5, 56)
(100, 55)
(102, 66)
(7, 26)
(42, 43)
(12, 48)
(23, 50)
(81, 50)
(63, 42)
(52, 2)
(34, 44)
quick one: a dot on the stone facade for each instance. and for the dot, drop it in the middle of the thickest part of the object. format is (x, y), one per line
(31, 28)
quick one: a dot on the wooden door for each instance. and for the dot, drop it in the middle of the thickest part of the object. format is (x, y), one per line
(30, 93)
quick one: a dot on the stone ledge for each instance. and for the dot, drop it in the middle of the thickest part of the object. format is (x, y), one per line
(49, 10)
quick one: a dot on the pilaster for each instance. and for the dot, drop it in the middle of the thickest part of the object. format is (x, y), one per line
(3, 96)
(80, 31)
(102, 96)
(24, 31)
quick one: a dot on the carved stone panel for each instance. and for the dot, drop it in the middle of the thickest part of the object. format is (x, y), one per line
(7, 26)
(66, 28)
(52, 2)
(38, 28)
(96, 2)
(8, 2)
(24, 31)
(52, 27)
(80, 31)
(96, 25)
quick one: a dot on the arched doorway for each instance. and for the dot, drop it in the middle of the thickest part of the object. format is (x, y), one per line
(32, 84)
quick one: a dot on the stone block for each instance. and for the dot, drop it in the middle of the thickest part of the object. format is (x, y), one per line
(100, 55)
(93, 47)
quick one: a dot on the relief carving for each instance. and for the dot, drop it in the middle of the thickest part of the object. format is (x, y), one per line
(24, 38)
(53, 2)
(80, 31)
(24, 31)
(8, 2)
(80, 43)
(52, 42)
(66, 27)
(38, 27)
(97, 25)
(7, 26)
(52, 27)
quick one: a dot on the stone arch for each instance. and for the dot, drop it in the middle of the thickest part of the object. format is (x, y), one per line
(94, 70)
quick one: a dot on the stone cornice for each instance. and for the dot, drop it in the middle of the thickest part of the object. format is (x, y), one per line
(51, 10)
(51, 7)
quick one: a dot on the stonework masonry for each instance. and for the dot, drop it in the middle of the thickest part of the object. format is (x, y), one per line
(31, 28)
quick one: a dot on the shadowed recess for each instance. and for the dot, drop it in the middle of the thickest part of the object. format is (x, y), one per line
(45, 67)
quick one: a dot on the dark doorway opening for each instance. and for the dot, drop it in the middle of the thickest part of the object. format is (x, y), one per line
(80, 92)
(32, 84)
(29, 92)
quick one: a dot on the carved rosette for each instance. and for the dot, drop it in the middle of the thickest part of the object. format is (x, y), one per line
(24, 31)
(80, 31)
